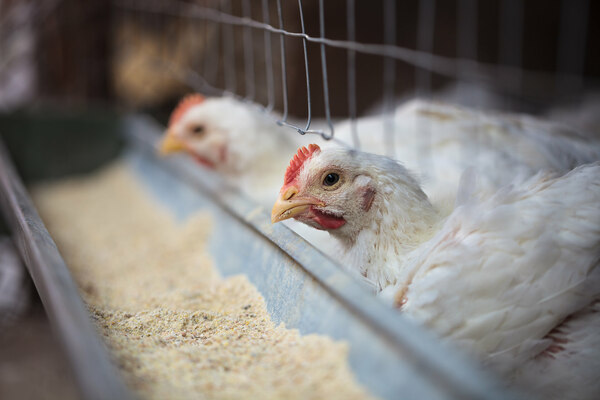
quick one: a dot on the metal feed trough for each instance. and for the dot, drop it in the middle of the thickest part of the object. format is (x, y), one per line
(389, 355)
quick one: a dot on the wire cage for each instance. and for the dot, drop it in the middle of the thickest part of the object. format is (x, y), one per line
(310, 62)
(332, 60)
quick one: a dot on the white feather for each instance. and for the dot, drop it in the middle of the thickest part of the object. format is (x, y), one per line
(497, 276)
(440, 141)
(502, 273)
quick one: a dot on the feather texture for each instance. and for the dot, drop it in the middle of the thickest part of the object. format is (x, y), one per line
(519, 262)
(440, 141)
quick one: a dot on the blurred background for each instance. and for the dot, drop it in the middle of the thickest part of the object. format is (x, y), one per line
(94, 60)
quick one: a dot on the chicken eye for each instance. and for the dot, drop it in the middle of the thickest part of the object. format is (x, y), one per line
(198, 129)
(331, 179)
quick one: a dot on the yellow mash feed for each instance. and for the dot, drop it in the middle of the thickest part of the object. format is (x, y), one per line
(175, 328)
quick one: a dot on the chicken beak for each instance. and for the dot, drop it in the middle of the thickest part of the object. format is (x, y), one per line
(287, 207)
(170, 144)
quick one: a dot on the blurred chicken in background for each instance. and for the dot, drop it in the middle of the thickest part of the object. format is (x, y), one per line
(242, 144)
(236, 139)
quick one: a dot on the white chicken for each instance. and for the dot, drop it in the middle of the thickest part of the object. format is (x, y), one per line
(440, 141)
(513, 278)
(244, 146)
(236, 140)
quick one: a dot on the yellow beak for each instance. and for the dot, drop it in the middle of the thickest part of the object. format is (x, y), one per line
(285, 207)
(170, 144)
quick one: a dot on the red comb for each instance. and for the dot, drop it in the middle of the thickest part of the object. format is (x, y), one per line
(302, 155)
(185, 103)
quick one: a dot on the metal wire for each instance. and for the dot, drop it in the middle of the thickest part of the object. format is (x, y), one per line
(486, 73)
(389, 76)
(467, 29)
(308, 98)
(466, 46)
(211, 62)
(351, 54)
(283, 121)
(324, 73)
(228, 51)
(248, 54)
(506, 77)
(284, 84)
(425, 35)
(268, 59)
(511, 36)
(571, 44)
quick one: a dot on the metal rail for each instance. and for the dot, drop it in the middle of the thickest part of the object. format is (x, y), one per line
(96, 377)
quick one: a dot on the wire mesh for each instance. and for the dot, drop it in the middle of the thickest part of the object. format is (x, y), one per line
(509, 72)
(218, 72)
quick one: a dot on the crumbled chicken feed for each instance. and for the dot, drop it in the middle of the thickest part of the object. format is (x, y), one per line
(175, 328)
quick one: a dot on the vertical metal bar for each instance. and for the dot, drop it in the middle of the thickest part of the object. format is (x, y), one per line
(228, 51)
(425, 35)
(199, 40)
(389, 75)
(203, 62)
(324, 71)
(268, 58)
(511, 39)
(571, 44)
(284, 84)
(212, 56)
(351, 30)
(467, 49)
(248, 53)
(174, 45)
(308, 100)
(467, 34)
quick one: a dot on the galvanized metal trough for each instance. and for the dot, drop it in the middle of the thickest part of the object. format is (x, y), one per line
(390, 355)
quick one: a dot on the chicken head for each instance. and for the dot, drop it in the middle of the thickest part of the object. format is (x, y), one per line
(327, 190)
(194, 129)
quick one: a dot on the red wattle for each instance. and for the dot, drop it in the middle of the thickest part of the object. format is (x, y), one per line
(328, 221)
